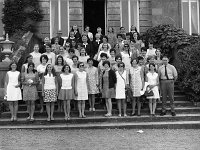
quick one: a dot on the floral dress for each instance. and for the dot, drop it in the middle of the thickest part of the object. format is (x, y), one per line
(135, 81)
(30, 92)
(93, 80)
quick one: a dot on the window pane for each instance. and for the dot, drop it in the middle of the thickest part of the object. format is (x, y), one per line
(64, 18)
(125, 15)
(194, 17)
(134, 12)
(54, 17)
(185, 16)
(1, 15)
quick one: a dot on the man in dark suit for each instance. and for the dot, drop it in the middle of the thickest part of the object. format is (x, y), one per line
(60, 39)
(88, 47)
(96, 43)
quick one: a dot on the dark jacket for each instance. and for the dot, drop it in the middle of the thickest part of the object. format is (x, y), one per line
(111, 78)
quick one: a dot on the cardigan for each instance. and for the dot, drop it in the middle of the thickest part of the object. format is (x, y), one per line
(111, 78)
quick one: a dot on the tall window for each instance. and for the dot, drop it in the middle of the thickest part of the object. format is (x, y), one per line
(59, 18)
(1, 15)
(129, 14)
(190, 16)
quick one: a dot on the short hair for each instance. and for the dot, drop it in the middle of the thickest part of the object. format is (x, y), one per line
(74, 57)
(29, 64)
(29, 56)
(143, 49)
(121, 63)
(71, 50)
(121, 28)
(59, 56)
(103, 55)
(140, 58)
(152, 64)
(48, 44)
(78, 65)
(119, 34)
(106, 62)
(137, 61)
(117, 57)
(13, 62)
(105, 37)
(90, 59)
(63, 68)
(128, 34)
(150, 57)
(45, 57)
(112, 50)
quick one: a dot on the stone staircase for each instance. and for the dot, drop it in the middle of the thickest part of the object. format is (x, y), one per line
(188, 116)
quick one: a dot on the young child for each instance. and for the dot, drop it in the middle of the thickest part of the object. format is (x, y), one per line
(49, 90)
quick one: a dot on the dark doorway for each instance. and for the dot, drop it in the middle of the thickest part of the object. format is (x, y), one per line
(94, 15)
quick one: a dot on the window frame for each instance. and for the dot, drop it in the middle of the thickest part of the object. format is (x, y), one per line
(129, 15)
(59, 17)
(1, 36)
(190, 25)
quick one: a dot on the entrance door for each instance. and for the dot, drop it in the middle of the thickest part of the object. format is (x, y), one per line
(94, 15)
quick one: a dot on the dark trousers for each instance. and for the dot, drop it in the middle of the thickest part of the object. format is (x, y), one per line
(167, 89)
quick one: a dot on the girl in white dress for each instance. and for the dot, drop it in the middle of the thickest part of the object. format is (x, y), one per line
(126, 56)
(153, 81)
(12, 90)
(81, 91)
(122, 81)
(136, 84)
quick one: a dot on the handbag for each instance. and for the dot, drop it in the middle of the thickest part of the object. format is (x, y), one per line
(128, 90)
(148, 92)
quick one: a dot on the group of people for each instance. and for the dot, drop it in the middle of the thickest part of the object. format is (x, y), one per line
(77, 69)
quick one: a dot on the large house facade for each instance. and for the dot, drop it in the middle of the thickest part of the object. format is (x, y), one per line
(63, 14)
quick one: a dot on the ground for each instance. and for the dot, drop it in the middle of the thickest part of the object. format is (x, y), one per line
(104, 139)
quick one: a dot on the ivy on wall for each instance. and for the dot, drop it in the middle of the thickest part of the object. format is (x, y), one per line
(21, 15)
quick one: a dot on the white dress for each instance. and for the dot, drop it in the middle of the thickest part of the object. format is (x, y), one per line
(152, 80)
(126, 59)
(13, 93)
(120, 85)
(82, 86)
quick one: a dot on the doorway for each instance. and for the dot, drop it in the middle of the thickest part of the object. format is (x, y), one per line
(94, 15)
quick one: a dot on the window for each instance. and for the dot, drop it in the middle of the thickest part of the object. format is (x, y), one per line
(1, 15)
(59, 17)
(129, 8)
(190, 16)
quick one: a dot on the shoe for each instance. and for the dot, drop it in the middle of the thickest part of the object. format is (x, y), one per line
(12, 119)
(83, 116)
(173, 113)
(52, 118)
(153, 115)
(133, 114)
(119, 115)
(108, 115)
(66, 118)
(80, 116)
(162, 113)
(125, 115)
(93, 109)
(28, 118)
(48, 119)
(32, 119)
(90, 109)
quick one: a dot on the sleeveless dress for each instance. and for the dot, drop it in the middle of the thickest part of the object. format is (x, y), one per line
(135, 81)
(30, 92)
(152, 81)
(106, 91)
(13, 93)
(120, 86)
(49, 89)
(92, 80)
(66, 91)
(82, 86)
(126, 59)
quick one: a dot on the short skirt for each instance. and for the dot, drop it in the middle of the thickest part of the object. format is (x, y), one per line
(108, 93)
(66, 94)
(50, 95)
(30, 93)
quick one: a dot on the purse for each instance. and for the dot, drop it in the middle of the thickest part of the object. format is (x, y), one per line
(148, 92)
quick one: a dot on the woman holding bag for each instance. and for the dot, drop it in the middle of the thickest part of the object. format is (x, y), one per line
(122, 82)
(153, 82)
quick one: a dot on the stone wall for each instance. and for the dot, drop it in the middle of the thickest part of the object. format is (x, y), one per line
(145, 14)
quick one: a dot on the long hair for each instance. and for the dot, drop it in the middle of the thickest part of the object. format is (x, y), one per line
(29, 56)
(56, 63)
(52, 71)
(29, 64)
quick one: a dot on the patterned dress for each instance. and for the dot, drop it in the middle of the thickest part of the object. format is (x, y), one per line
(82, 86)
(49, 88)
(30, 92)
(135, 81)
(93, 80)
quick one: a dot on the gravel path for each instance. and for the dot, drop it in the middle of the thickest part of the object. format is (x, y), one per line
(105, 139)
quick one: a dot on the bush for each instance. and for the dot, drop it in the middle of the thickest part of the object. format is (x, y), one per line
(188, 68)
